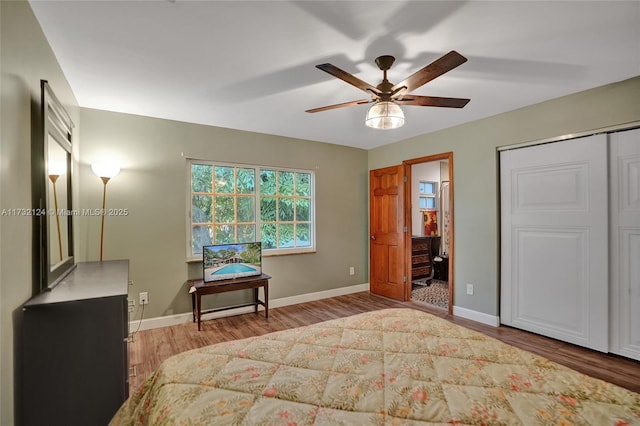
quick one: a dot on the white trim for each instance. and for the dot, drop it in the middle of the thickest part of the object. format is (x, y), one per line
(609, 129)
(166, 321)
(492, 320)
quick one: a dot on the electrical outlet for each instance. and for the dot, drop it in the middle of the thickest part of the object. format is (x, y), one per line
(352, 270)
(144, 298)
(470, 289)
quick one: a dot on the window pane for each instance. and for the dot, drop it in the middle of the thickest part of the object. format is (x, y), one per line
(268, 209)
(303, 184)
(246, 209)
(285, 184)
(286, 235)
(268, 233)
(303, 237)
(268, 182)
(429, 188)
(201, 209)
(224, 210)
(302, 209)
(246, 181)
(224, 180)
(285, 209)
(200, 236)
(423, 202)
(246, 233)
(431, 202)
(201, 177)
(225, 234)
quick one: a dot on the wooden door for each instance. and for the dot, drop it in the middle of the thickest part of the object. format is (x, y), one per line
(387, 273)
(554, 240)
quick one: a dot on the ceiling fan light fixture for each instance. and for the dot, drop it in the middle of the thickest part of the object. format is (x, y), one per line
(385, 115)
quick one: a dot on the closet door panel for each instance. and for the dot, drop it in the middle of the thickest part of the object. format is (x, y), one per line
(625, 243)
(554, 240)
(559, 303)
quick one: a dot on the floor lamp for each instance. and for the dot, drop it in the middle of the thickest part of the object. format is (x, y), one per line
(104, 172)
(56, 169)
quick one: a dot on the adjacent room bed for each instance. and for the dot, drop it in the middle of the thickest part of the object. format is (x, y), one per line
(393, 366)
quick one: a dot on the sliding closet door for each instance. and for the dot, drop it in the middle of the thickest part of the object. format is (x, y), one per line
(625, 243)
(554, 240)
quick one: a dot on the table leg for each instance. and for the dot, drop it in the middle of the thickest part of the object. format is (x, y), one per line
(193, 306)
(255, 299)
(198, 308)
(266, 299)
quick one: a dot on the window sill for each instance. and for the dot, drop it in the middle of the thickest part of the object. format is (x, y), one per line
(270, 253)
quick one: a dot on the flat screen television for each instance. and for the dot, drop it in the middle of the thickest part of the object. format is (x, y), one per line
(224, 261)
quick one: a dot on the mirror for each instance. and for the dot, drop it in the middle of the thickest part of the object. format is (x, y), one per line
(52, 171)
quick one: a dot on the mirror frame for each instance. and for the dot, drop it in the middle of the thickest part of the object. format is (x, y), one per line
(56, 126)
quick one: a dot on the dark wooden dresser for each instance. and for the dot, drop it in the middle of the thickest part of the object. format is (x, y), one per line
(74, 348)
(423, 250)
(421, 262)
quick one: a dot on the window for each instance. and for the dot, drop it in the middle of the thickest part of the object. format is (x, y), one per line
(428, 192)
(239, 203)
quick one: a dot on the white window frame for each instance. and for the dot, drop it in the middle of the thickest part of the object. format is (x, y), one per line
(428, 195)
(191, 257)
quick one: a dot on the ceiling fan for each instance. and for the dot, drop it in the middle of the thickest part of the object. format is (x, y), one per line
(385, 113)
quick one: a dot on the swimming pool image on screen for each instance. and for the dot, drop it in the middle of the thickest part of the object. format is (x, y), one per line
(224, 261)
(234, 268)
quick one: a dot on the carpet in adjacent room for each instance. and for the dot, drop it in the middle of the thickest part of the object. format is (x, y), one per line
(435, 294)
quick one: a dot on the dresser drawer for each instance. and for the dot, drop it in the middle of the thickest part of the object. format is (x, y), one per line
(421, 271)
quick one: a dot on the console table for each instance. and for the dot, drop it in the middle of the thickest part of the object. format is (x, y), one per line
(198, 288)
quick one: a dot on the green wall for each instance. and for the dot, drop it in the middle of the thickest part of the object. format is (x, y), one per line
(475, 168)
(26, 58)
(153, 187)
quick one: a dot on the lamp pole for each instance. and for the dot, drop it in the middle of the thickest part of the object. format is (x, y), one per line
(53, 179)
(105, 172)
(104, 204)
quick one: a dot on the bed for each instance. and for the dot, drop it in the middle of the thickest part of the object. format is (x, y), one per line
(393, 366)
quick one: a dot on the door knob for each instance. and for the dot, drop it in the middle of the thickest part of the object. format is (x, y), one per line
(373, 237)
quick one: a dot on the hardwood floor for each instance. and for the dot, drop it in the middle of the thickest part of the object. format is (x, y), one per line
(150, 347)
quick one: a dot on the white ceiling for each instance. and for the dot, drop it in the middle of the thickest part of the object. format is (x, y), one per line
(249, 65)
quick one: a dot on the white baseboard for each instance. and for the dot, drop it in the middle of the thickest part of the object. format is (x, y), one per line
(491, 320)
(148, 324)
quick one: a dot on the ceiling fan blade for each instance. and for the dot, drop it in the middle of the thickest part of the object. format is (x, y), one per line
(432, 101)
(342, 105)
(431, 71)
(348, 78)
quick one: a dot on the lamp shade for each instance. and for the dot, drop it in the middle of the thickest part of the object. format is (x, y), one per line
(385, 115)
(56, 168)
(105, 170)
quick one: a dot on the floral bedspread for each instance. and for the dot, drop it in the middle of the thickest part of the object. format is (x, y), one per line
(394, 366)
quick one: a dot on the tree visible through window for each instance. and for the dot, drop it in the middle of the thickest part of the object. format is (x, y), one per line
(238, 204)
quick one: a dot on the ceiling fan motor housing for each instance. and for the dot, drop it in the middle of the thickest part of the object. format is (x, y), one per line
(384, 62)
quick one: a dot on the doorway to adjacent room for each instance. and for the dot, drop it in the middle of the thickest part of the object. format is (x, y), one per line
(430, 183)
(402, 210)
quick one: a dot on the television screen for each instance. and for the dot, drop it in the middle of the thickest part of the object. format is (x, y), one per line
(224, 261)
